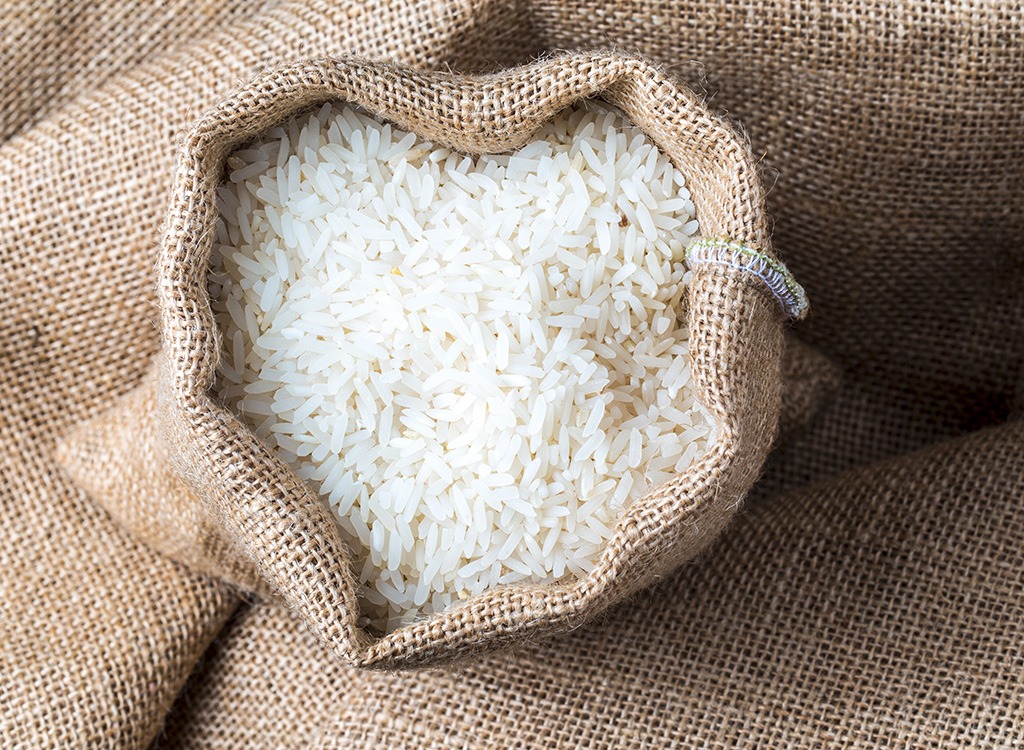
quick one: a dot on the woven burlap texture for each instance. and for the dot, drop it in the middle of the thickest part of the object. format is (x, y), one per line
(895, 132)
(870, 611)
(735, 345)
(119, 459)
(54, 50)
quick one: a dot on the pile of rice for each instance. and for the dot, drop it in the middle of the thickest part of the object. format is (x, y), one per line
(478, 362)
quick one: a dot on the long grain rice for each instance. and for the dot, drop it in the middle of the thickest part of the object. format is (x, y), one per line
(479, 363)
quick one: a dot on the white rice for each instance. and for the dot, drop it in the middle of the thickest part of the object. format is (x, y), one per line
(479, 362)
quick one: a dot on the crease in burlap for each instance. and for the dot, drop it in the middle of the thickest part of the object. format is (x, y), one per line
(878, 609)
(119, 458)
(735, 343)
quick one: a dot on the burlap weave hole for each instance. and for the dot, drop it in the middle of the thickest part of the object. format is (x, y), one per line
(288, 531)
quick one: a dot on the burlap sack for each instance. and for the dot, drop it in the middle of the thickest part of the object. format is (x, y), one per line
(735, 342)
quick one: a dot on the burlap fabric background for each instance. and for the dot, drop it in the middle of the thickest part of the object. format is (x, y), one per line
(820, 620)
(896, 133)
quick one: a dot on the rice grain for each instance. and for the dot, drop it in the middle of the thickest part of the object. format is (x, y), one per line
(478, 362)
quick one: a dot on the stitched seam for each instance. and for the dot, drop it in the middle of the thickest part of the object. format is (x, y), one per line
(772, 272)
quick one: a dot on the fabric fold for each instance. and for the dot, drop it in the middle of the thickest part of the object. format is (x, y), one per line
(878, 608)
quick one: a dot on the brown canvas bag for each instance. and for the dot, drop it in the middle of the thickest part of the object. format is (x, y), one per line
(738, 300)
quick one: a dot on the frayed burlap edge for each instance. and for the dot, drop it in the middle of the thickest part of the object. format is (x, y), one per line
(735, 335)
